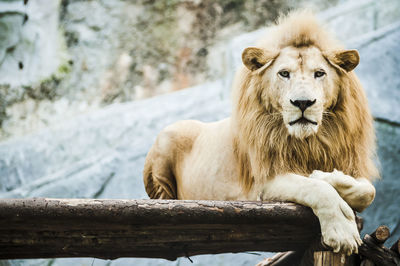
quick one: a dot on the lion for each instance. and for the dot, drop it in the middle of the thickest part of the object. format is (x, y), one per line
(300, 131)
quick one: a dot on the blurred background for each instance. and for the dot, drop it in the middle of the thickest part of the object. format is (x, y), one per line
(86, 85)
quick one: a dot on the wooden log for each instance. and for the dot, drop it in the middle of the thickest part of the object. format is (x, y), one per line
(378, 254)
(109, 229)
(359, 222)
(378, 237)
(381, 234)
(367, 262)
(396, 247)
(329, 258)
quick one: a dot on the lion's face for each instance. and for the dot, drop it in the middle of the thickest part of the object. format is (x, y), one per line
(301, 87)
(300, 84)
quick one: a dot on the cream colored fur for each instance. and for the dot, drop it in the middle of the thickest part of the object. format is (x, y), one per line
(261, 153)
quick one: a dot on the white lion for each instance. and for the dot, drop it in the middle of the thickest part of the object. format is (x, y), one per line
(301, 131)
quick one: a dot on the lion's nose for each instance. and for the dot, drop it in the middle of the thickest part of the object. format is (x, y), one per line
(303, 104)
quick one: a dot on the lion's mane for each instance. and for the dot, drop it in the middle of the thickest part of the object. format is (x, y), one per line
(345, 139)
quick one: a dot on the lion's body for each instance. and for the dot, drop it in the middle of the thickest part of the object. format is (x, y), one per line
(263, 151)
(205, 169)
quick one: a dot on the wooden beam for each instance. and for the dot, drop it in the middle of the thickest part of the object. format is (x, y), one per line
(396, 247)
(380, 235)
(377, 253)
(110, 229)
(325, 258)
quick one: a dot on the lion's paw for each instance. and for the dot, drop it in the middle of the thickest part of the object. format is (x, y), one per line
(339, 229)
(335, 178)
(320, 175)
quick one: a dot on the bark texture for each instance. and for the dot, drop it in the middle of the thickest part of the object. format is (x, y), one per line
(109, 229)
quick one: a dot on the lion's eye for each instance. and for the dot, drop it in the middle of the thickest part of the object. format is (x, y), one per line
(284, 74)
(319, 74)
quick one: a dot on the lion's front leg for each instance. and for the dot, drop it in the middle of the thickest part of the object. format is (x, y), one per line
(338, 226)
(358, 193)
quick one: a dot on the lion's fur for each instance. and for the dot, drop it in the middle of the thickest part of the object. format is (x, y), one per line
(264, 149)
(254, 142)
(298, 29)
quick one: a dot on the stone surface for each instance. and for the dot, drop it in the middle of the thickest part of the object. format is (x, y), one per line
(378, 70)
(30, 50)
(386, 208)
(117, 129)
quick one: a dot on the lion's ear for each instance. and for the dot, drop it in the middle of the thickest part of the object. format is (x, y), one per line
(254, 58)
(345, 59)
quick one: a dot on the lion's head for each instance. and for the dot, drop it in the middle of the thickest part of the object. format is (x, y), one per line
(299, 107)
(301, 82)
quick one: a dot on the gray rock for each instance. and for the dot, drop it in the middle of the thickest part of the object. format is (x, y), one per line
(386, 208)
(352, 18)
(36, 43)
(378, 70)
(118, 132)
(10, 31)
(242, 259)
